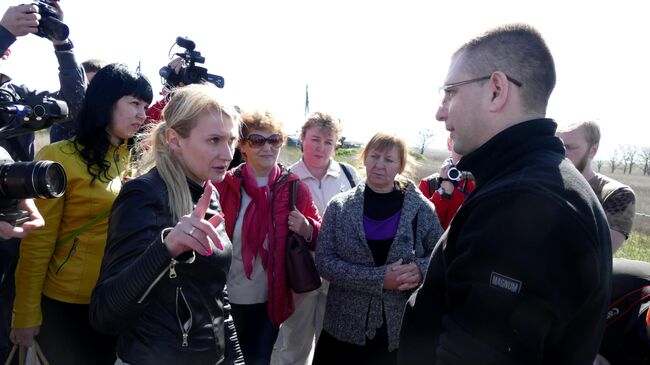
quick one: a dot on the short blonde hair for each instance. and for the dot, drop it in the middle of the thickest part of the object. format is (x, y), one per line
(382, 142)
(591, 128)
(322, 121)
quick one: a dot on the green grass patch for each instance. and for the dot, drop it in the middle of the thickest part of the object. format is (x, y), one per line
(347, 152)
(637, 247)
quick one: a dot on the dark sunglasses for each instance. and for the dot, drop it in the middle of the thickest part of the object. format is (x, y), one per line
(257, 141)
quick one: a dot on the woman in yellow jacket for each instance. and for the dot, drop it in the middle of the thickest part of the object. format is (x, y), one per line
(59, 264)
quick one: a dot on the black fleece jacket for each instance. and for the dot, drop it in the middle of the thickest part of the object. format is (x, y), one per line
(523, 274)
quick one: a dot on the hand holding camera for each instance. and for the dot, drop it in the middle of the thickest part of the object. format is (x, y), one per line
(41, 18)
(33, 220)
(449, 171)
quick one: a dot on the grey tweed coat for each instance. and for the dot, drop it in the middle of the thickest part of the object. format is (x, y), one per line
(357, 300)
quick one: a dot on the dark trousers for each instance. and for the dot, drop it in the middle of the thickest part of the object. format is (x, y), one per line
(66, 336)
(330, 350)
(255, 332)
(8, 261)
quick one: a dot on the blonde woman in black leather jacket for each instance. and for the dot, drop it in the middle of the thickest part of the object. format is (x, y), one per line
(162, 282)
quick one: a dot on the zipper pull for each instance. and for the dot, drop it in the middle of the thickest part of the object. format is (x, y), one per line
(172, 271)
(185, 343)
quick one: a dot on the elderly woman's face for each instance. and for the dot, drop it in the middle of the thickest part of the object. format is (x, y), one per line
(318, 147)
(382, 166)
(261, 150)
(208, 150)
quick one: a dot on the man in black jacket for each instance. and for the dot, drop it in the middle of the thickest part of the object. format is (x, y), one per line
(522, 275)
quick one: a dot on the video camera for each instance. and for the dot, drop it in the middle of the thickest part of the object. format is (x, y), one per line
(189, 73)
(50, 26)
(453, 173)
(25, 180)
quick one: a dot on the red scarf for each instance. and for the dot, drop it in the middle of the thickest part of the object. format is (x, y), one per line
(257, 219)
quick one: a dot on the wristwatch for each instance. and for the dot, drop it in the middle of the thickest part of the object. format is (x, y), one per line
(65, 46)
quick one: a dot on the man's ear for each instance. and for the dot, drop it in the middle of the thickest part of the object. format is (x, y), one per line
(592, 151)
(500, 88)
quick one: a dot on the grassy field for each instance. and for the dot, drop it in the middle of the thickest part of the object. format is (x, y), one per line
(637, 247)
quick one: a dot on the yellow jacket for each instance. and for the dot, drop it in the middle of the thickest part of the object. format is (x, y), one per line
(66, 273)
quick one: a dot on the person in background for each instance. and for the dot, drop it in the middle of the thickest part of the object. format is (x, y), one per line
(325, 178)
(374, 249)
(59, 264)
(627, 334)
(448, 190)
(66, 130)
(255, 197)
(522, 274)
(18, 21)
(162, 282)
(581, 141)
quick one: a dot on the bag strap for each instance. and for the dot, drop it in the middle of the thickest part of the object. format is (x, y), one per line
(624, 304)
(348, 175)
(83, 228)
(294, 194)
(433, 185)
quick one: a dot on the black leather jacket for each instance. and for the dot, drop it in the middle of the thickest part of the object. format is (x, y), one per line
(165, 310)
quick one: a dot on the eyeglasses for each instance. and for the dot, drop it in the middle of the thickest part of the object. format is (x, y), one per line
(257, 141)
(445, 89)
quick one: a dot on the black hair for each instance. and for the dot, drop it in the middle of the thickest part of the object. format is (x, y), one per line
(109, 85)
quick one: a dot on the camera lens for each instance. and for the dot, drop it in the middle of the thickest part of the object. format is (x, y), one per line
(453, 174)
(37, 179)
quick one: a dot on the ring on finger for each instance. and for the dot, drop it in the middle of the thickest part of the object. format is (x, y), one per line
(192, 230)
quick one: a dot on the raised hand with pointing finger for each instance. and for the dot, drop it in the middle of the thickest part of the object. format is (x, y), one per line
(194, 232)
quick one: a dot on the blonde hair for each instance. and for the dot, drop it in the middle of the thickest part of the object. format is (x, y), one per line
(382, 142)
(185, 106)
(260, 120)
(324, 122)
(590, 127)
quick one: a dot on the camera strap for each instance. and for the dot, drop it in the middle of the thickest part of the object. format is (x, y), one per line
(83, 228)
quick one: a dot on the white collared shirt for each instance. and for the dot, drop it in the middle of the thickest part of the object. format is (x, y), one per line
(332, 183)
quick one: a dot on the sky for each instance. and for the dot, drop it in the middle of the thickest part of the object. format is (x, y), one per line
(377, 65)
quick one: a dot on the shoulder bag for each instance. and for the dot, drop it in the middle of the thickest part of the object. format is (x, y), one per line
(302, 275)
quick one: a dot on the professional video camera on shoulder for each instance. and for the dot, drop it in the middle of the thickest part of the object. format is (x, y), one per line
(35, 179)
(50, 26)
(189, 73)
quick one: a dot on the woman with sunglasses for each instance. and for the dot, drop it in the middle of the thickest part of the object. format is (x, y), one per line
(255, 197)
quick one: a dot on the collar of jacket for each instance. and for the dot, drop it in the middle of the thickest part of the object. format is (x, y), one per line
(285, 176)
(510, 145)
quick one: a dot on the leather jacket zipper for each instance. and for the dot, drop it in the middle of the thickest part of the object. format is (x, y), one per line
(187, 326)
(172, 274)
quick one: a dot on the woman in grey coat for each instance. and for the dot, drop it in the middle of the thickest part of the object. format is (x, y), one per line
(373, 248)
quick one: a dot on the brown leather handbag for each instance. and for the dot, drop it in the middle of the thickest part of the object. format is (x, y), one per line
(302, 275)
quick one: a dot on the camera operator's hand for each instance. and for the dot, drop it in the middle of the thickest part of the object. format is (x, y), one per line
(36, 221)
(55, 4)
(176, 64)
(193, 232)
(21, 20)
(446, 185)
(24, 336)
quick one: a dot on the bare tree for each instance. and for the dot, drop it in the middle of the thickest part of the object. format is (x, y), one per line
(599, 164)
(629, 156)
(645, 159)
(613, 159)
(424, 138)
